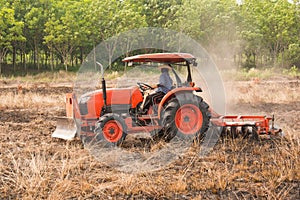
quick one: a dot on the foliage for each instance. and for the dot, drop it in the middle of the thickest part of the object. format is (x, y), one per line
(251, 74)
(293, 71)
(269, 28)
(53, 33)
(10, 31)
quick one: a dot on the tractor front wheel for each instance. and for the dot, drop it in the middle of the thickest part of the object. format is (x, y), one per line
(111, 127)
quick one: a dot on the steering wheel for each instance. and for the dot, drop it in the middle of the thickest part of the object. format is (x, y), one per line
(144, 86)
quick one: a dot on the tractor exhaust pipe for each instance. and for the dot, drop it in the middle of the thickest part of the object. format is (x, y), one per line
(103, 86)
(104, 91)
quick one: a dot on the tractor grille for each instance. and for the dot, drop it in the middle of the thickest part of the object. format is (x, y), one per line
(83, 108)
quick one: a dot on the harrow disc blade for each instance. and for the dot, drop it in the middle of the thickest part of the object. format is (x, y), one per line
(65, 128)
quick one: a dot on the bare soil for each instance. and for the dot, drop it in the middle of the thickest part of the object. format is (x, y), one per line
(35, 166)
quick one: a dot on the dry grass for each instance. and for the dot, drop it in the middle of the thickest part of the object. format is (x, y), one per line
(29, 100)
(45, 77)
(267, 169)
(34, 166)
(255, 91)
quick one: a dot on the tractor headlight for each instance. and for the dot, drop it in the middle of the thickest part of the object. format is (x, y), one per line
(84, 99)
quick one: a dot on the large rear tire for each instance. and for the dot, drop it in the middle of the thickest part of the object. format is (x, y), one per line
(186, 116)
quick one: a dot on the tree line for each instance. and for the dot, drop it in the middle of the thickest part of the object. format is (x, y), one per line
(49, 34)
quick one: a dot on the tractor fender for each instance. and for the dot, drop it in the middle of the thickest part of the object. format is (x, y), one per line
(172, 93)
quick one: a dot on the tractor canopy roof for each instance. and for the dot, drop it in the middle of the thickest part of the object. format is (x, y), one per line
(162, 57)
(168, 58)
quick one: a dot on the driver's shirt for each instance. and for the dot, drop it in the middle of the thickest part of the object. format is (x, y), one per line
(165, 83)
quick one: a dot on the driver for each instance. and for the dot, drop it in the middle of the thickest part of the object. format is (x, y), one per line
(163, 87)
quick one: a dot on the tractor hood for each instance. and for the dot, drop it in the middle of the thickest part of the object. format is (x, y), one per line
(115, 95)
(92, 103)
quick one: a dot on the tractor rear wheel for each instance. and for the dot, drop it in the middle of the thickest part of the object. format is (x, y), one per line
(186, 116)
(111, 128)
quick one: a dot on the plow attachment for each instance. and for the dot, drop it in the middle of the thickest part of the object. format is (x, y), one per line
(247, 125)
(65, 128)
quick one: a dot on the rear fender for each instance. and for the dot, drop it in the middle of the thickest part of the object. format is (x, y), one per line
(173, 93)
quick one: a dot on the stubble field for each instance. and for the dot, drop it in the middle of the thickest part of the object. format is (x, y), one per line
(35, 166)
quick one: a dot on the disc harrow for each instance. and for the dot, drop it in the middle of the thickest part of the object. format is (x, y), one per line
(244, 126)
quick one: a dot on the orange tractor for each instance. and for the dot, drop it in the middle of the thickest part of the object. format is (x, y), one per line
(109, 114)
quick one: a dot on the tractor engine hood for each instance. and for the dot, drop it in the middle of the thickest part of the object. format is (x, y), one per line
(91, 103)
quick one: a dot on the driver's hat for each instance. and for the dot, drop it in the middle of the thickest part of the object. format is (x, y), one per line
(164, 67)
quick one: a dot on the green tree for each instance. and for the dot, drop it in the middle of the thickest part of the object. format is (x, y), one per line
(292, 53)
(212, 23)
(261, 32)
(160, 13)
(268, 27)
(62, 29)
(35, 19)
(10, 31)
(107, 18)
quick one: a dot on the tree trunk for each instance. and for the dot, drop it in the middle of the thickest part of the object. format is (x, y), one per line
(46, 58)
(65, 61)
(24, 62)
(51, 59)
(3, 53)
(94, 54)
(274, 58)
(66, 66)
(81, 55)
(37, 56)
(14, 58)
(34, 56)
(31, 60)
(254, 58)
(23, 59)
(72, 60)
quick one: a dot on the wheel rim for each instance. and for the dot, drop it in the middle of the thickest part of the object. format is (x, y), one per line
(188, 119)
(112, 131)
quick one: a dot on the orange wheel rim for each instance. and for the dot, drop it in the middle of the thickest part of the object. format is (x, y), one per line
(188, 119)
(112, 131)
